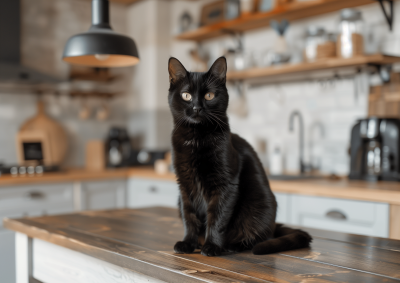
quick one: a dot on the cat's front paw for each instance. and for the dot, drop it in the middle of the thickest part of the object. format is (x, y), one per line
(210, 249)
(183, 247)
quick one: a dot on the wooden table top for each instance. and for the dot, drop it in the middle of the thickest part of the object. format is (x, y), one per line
(142, 240)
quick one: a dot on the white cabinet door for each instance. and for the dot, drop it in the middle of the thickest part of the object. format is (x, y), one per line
(145, 192)
(7, 256)
(283, 210)
(348, 216)
(104, 195)
(35, 200)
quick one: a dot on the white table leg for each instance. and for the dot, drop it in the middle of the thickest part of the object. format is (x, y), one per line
(78, 201)
(23, 257)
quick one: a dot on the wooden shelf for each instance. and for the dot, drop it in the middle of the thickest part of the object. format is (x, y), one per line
(98, 94)
(128, 2)
(290, 12)
(325, 64)
(92, 74)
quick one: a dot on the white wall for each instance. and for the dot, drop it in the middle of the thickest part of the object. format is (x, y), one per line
(148, 22)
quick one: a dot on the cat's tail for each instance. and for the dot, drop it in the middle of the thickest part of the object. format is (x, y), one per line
(285, 239)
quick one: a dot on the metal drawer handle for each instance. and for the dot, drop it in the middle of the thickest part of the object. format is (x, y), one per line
(153, 190)
(36, 195)
(336, 214)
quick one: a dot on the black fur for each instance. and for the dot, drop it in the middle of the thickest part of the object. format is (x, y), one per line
(225, 197)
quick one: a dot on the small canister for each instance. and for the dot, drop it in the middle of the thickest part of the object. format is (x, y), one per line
(318, 44)
(350, 41)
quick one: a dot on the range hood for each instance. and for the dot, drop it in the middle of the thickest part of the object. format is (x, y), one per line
(11, 69)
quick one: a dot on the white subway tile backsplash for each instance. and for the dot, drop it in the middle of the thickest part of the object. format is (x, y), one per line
(333, 104)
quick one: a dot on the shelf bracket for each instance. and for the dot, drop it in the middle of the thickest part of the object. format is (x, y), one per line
(388, 17)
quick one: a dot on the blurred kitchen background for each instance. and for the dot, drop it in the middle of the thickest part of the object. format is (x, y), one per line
(329, 101)
(135, 98)
(302, 73)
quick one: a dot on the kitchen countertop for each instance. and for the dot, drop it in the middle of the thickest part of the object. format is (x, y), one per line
(388, 192)
(82, 174)
(141, 240)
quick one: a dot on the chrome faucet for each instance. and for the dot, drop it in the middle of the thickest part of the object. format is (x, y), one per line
(301, 137)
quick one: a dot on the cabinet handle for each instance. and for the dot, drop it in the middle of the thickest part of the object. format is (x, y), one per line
(153, 190)
(336, 214)
(36, 195)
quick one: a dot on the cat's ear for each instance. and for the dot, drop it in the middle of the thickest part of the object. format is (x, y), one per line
(176, 70)
(218, 69)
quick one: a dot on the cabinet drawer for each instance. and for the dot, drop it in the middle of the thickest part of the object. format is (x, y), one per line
(35, 200)
(349, 216)
(143, 192)
(104, 195)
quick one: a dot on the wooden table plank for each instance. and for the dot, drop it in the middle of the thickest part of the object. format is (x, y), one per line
(133, 257)
(368, 259)
(133, 239)
(280, 268)
(157, 233)
(381, 243)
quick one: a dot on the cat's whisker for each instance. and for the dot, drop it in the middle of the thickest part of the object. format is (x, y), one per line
(213, 115)
(221, 126)
(220, 113)
(220, 118)
(180, 121)
(211, 121)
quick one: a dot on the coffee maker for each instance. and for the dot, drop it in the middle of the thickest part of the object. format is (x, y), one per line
(118, 147)
(375, 150)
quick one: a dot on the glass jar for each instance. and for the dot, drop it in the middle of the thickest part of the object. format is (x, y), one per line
(350, 40)
(315, 36)
(238, 60)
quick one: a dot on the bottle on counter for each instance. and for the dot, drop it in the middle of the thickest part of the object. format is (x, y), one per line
(276, 166)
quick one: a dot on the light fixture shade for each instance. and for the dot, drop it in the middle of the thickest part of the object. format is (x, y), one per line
(101, 46)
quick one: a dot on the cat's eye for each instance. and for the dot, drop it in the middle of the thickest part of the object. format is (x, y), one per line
(186, 96)
(209, 96)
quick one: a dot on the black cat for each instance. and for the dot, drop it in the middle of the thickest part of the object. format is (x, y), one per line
(225, 202)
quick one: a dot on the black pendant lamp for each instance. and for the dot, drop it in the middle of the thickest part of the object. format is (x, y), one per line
(101, 46)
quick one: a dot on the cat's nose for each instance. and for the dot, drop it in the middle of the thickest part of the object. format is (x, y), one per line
(196, 109)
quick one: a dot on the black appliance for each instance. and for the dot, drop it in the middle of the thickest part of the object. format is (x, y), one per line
(118, 148)
(375, 150)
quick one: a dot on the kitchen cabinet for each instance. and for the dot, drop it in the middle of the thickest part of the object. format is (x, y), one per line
(148, 192)
(29, 200)
(35, 200)
(283, 211)
(349, 216)
(38, 200)
(103, 195)
(7, 256)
